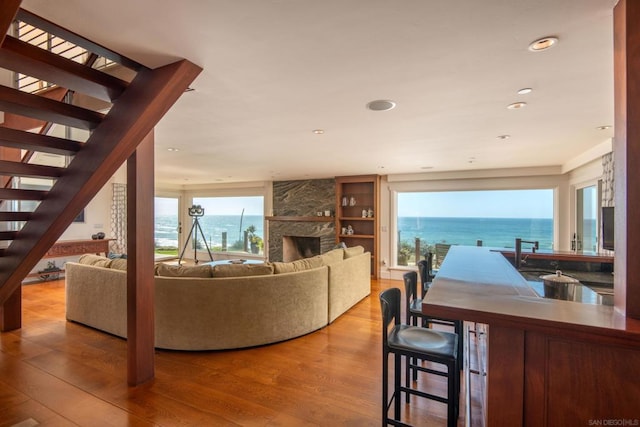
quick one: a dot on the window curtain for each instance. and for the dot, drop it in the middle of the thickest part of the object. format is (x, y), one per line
(607, 179)
(119, 219)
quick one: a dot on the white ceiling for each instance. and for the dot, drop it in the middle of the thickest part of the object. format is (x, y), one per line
(275, 70)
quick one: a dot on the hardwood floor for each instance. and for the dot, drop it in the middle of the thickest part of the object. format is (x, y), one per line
(58, 373)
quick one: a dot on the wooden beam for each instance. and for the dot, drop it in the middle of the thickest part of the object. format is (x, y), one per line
(8, 12)
(626, 16)
(11, 311)
(31, 60)
(148, 97)
(38, 107)
(140, 283)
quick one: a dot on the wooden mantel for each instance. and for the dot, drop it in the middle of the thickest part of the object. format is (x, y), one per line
(301, 218)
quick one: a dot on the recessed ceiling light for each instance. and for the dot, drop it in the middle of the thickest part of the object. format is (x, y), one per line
(318, 131)
(516, 105)
(426, 167)
(172, 149)
(543, 44)
(603, 127)
(503, 137)
(525, 90)
(381, 105)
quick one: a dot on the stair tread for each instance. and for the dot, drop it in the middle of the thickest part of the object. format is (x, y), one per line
(15, 216)
(29, 170)
(20, 194)
(38, 107)
(31, 60)
(35, 142)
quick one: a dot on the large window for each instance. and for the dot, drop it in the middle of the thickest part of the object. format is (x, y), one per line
(488, 218)
(587, 220)
(231, 224)
(167, 225)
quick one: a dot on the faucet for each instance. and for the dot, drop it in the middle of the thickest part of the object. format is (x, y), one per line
(518, 255)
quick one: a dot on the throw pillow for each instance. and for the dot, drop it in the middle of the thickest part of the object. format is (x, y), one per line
(241, 270)
(119, 264)
(166, 270)
(95, 260)
(298, 265)
(332, 257)
(353, 251)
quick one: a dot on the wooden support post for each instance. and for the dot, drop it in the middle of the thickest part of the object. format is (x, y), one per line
(140, 284)
(626, 16)
(11, 312)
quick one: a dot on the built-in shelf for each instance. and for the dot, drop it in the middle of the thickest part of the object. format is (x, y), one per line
(356, 236)
(356, 218)
(301, 218)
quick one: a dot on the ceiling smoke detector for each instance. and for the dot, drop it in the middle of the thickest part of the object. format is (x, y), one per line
(381, 105)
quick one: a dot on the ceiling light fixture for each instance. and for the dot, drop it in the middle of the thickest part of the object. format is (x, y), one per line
(543, 44)
(381, 105)
(318, 131)
(516, 105)
(503, 137)
(524, 91)
(172, 149)
(605, 127)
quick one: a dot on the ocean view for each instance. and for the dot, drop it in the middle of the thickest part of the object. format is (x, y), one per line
(497, 232)
(166, 233)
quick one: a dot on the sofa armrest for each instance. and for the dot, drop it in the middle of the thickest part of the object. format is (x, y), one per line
(349, 282)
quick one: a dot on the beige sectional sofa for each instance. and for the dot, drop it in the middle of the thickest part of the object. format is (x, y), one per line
(235, 306)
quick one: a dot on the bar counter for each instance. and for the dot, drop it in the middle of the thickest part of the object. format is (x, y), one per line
(550, 362)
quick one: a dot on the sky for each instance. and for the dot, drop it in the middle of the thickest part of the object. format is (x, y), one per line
(478, 204)
(215, 205)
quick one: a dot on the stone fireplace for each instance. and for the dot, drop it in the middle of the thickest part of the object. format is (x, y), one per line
(295, 224)
(298, 247)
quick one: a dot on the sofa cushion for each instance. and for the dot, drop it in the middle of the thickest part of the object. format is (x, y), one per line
(167, 270)
(332, 257)
(298, 265)
(119, 264)
(240, 270)
(353, 251)
(96, 260)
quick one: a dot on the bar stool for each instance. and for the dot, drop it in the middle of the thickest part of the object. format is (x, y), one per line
(414, 312)
(419, 343)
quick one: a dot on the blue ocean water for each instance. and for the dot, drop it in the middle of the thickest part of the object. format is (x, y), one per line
(495, 232)
(166, 228)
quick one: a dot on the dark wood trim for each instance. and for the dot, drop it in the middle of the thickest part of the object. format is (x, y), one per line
(41, 108)
(16, 121)
(137, 111)
(8, 235)
(28, 59)
(8, 11)
(626, 15)
(70, 36)
(140, 282)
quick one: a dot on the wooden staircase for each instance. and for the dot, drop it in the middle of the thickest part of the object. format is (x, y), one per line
(134, 108)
